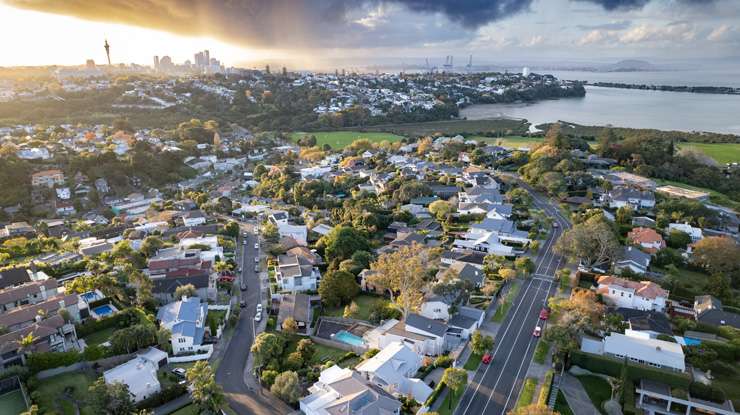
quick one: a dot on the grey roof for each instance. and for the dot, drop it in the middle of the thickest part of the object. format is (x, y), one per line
(471, 257)
(467, 272)
(645, 320)
(720, 318)
(496, 225)
(635, 255)
(624, 193)
(426, 324)
(461, 321)
(169, 285)
(14, 276)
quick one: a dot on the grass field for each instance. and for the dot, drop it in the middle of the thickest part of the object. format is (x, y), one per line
(341, 139)
(513, 141)
(722, 153)
(597, 389)
(364, 304)
(714, 196)
(12, 403)
(53, 390)
(454, 127)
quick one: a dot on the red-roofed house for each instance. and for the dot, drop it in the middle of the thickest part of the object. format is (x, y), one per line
(647, 239)
(643, 295)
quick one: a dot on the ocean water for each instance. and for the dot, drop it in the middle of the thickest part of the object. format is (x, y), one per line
(680, 111)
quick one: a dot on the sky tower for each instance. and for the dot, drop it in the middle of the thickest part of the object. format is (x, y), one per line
(107, 50)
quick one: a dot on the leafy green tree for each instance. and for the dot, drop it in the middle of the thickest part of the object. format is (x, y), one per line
(266, 347)
(306, 348)
(524, 265)
(480, 343)
(341, 243)
(231, 229)
(287, 387)
(678, 239)
(337, 288)
(624, 215)
(455, 379)
(113, 399)
(290, 326)
(150, 245)
(441, 209)
(207, 395)
(592, 241)
(268, 377)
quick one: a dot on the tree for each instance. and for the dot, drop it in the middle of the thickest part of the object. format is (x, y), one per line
(266, 347)
(480, 343)
(678, 240)
(150, 245)
(402, 272)
(207, 395)
(287, 387)
(268, 377)
(718, 255)
(624, 215)
(592, 241)
(306, 348)
(270, 232)
(337, 288)
(455, 379)
(507, 274)
(187, 290)
(231, 229)
(524, 264)
(580, 311)
(113, 399)
(533, 409)
(441, 209)
(351, 310)
(563, 338)
(294, 361)
(342, 242)
(290, 326)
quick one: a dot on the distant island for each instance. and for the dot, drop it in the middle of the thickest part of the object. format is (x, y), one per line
(671, 88)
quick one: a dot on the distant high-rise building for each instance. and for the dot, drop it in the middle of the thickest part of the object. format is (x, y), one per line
(285, 71)
(207, 56)
(525, 72)
(107, 50)
(267, 68)
(156, 62)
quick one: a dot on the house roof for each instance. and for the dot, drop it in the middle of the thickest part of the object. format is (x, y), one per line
(467, 272)
(631, 254)
(426, 324)
(720, 318)
(297, 306)
(652, 350)
(14, 276)
(645, 236)
(28, 313)
(645, 289)
(646, 320)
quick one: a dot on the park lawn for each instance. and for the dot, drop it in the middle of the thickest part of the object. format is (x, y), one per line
(340, 139)
(51, 392)
(99, 337)
(473, 361)
(714, 196)
(527, 395)
(720, 152)
(597, 389)
(561, 405)
(364, 303)
(540, 352)
(12, 403)
(503, 308)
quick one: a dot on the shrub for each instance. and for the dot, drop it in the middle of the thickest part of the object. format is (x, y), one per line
(21, 371)
(165, 395)
(49, 360)
(443, 361)
(370, 353)
(722, 368)
(94, 352)
(706, 392)
(545, 390)
(268, 377)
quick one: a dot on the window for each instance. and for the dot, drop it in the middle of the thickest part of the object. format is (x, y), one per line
(621, 294)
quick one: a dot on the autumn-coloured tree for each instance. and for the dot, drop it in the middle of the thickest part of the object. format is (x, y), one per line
(401, 273)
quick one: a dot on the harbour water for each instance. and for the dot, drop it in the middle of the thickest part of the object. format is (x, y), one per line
(634, 108)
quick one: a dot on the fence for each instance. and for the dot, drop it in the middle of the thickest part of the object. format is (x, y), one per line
(195, 357)
(100, 365)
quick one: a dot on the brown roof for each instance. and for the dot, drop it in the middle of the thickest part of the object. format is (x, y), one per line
(644, 235)
(28, 313)
(645, 289)
(13, 294)
(41, 330)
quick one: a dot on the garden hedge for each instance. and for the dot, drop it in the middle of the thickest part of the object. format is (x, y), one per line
(613, 367)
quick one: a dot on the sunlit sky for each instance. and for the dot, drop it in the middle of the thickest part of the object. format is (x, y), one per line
(33, 38)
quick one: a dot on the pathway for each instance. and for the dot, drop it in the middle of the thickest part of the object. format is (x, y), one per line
(576, 396)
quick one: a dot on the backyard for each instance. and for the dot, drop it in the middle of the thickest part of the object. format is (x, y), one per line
(341, 139)
(365, 303)
(99, 337)
(597, 389)
(56, 394)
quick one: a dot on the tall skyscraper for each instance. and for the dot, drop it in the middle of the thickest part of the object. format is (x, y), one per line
(107, 50)
(156, 62)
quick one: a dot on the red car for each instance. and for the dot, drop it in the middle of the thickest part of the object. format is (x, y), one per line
(537, 331)
(486, 358)
(544, 314)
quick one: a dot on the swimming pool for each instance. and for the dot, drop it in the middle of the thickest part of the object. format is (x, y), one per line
(349, 338)
(89, 296)
(103, 310)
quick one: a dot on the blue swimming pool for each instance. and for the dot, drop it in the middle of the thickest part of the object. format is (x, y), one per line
(89, 296)
(691, 341)
(103, 310)
(349, 338)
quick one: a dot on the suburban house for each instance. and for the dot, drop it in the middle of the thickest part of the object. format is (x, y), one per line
(435, 307)
(186, 320)
(192, 218)
(279, 217)
(643, 295)
(478, 194)
(648, 322)
(623, 178)
(652, 395)
(469, 257)
(393, 368)
(423, 335)
(465, 272)
(51, 334)
(297, 307)
(297, 273)
(634, 260)
(139, 374)
(708, 309)
(298, 232)
(696, 234)
(468, 320)
(174, 267)
(647, 239)
(638, 349)
(346, 392)
(47, 178)
(504, 229)
(624, 196)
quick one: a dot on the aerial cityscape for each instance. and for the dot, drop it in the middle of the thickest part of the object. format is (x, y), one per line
(370, 207)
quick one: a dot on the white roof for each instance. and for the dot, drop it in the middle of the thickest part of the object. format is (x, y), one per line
(139, 374)
(650, 350)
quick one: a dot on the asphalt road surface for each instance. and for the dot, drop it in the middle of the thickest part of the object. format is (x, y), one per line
(230, 373)
(495, 388)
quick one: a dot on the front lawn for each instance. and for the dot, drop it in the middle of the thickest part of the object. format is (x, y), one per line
(473, 361)
(214, 319)
(51, 393)
(503, 307)
(365, 303)
(597, 388)
(527, 395)
(540, 352)
(99, 337)
(450, 403)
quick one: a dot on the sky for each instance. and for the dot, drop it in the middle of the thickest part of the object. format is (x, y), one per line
(324, 33)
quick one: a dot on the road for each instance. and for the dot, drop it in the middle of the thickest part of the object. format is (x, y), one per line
(495, 388)
(230, 373)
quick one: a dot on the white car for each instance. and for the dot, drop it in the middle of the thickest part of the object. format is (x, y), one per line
(257, 245)
(258, 316)
(259, 307)
(256, 259)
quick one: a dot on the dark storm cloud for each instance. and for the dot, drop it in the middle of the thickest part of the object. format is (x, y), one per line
(309, 23)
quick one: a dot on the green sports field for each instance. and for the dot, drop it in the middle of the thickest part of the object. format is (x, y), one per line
(722, 153)
(341, 139)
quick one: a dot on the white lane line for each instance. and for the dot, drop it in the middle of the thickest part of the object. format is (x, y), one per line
(508, 356)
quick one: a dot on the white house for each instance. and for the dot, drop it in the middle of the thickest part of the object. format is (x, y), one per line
(435, 307)
(393, 368)
(622, 196)
(640, 349)
(296, 273)
(344, 391)
(186, 320)
(139, 374)
(695, 233)
(297, 232)
(643, 295)
(468, 320)
(417, 338)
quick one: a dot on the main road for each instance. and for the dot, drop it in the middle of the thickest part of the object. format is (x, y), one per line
(495, 388)
(243, 399)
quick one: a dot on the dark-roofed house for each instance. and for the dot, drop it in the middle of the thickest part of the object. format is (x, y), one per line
(14, 276)
(51, 334)
(649, 321)
(634, 260)
(297, 307)
(708, 309)
(467, 319)
(467, 272)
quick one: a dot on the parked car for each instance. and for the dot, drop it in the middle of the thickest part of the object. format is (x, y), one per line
(537, 331)
(242, 304)
(555, 225)
(256, 268)
(179, 372)
(259, 307)
(243, 286)
(544, 313)
(258, 316)
(486, 359)
(256, 259)
(257, 245)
